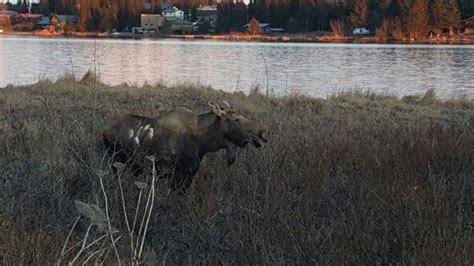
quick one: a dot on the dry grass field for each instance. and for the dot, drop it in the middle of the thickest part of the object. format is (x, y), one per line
(356, 178)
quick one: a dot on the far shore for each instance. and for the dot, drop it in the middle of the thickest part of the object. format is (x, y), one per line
(290, 38)
(309, 38)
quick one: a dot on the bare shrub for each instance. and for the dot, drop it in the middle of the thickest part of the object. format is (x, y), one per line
(337, 27)
(390, 29)
(397, 32)
(382, 32)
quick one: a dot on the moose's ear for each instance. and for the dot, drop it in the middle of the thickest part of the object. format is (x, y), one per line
(216, 109)
(224, 104)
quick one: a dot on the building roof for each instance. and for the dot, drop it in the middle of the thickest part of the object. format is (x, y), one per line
(45, 21)
(277, 29)
(28, 16)
(207, 11)
(468, 22)
(468, 19)
(171, 9)
(7, 13)
(150, 15)
(70, 18)
(262, 25)
(207, 8)
(179, 21)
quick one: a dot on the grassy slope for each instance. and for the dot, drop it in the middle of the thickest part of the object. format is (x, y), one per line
(357, 178)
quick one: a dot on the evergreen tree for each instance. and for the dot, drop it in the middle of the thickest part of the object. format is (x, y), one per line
(231, 17)
(376, 11)
(467, 8)
(394, 9)
(359, 14)
(295, 15)
(322, 18)
(44, 7)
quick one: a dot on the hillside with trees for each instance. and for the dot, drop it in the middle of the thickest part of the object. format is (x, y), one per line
(410, 18)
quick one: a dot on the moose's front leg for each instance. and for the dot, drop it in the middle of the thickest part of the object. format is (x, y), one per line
(185, 169)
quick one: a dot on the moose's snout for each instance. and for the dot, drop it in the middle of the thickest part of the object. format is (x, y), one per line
(260, 137)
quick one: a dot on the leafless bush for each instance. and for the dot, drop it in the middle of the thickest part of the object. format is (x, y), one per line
(397, 32)
(337, 27)
(382, 32)
(390, 29)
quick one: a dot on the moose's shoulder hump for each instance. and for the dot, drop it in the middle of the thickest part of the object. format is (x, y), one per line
(178, 119)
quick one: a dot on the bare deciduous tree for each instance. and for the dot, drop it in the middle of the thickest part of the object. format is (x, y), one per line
(445, 14)
(415, 18)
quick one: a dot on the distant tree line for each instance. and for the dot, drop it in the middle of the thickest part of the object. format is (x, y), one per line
(410, 18)
(388, 18)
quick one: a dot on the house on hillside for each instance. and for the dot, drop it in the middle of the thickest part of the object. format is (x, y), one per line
(173, 20)
(152, 22)
(267, 28)
(468, 25)
(207, 14)
(7, 13)
(164, 6)
(172, 12)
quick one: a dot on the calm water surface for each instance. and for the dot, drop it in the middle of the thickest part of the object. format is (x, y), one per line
(314, 69)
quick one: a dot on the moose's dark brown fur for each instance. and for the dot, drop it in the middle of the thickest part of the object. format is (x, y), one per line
(180, 138)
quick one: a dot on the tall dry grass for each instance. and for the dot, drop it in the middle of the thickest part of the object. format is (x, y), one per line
(357, 178)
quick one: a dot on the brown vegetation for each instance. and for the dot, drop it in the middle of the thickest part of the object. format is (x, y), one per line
(337, 27)
(357, 178)
(254, 27)
(391, 29)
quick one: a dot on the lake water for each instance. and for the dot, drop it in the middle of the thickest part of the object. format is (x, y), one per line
(313, 69)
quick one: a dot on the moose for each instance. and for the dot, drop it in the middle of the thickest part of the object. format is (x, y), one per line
(179, 139)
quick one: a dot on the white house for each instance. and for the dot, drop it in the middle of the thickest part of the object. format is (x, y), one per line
(172, 12)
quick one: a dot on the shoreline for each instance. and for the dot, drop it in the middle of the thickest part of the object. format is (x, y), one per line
(295, 38)
(464, 40)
